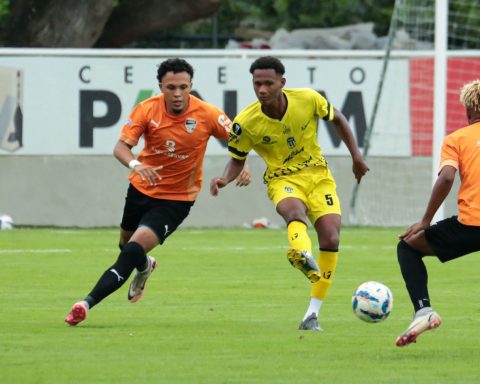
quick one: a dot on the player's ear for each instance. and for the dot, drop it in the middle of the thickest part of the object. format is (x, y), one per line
(283, 81)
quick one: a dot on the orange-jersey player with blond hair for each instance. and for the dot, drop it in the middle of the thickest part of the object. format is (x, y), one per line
(450, 238)
(165, 178)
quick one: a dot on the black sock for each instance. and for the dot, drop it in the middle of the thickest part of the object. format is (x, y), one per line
(132, 256)
(415, 275)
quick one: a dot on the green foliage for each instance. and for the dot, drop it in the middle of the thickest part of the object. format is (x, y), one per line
(224, 307)
(269, 15)
(4, 7)
(290, 14)
(4, 12)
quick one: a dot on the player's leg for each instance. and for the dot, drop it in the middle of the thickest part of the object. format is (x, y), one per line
(132, 256)
(327, 228)
(410, 255)
(325, 212)
(288, 197)
(299, 255)
(448, 239)
(161, 220)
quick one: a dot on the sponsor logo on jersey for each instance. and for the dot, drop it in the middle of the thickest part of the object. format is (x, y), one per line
(170, 145)
(293, 154)
(154, 123)
(267, 140)
(288, 189)
(225, 122)
(190, 125)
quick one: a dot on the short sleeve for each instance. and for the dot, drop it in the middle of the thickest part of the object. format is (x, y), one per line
(221, 124)
(239, 142)
(323, 108)
(135, 126)
(449, 155)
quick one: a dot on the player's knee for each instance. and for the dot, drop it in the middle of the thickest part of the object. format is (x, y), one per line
(330, 242)
(405, 252)
(132, 256)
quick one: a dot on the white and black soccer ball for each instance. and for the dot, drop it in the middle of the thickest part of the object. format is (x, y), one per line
(372, 302)
(6, 222)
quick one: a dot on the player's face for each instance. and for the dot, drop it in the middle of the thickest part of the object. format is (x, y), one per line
(176, 88)
(267, 85)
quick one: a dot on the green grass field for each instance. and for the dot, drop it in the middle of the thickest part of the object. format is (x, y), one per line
(224, 307)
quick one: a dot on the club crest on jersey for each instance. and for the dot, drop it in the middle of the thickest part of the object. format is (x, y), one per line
(291, 142)
(190, 125)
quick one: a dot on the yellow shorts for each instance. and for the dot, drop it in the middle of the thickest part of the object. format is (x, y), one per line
(314, 186)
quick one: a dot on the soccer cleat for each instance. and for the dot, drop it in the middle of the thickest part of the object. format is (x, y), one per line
(77, 314)
(303, 261)
(137, 286)
(310, 324)
(419, 325)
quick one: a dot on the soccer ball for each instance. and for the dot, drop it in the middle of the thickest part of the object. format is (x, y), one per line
(6, 222)
(372, 302)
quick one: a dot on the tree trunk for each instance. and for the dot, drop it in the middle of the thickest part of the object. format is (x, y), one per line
(136, 20)
(57, 23)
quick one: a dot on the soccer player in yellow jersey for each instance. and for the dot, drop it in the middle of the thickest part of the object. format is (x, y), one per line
(282, 128)
(450, 238)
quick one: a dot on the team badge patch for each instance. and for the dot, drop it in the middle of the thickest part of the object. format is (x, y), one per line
(237, 129)
(190, 125)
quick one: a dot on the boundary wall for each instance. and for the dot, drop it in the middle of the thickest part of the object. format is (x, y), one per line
(61, 111)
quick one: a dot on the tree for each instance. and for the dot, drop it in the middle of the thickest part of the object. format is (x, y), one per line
(89, 23)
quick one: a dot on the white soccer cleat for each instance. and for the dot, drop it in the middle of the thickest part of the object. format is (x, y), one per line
(137, 286)
(420, 324)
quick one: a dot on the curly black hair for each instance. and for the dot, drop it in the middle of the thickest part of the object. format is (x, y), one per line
(268, 62)
(174, 65)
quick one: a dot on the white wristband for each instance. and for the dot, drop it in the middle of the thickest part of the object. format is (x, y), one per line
(133, 163)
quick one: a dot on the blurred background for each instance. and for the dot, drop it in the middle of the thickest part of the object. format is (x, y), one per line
(72, 70)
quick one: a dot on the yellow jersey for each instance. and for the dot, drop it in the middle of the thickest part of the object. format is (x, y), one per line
(286, 145)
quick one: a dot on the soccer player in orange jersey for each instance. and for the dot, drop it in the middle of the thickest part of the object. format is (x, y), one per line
(165, 179)
(450, 238)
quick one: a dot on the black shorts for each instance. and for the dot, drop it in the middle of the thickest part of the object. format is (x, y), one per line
(451, 239)
(162, 216)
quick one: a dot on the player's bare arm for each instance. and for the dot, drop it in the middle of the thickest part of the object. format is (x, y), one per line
(232, 170)
(359, 167)
(440, 191)
(123, 153)
(244, 178)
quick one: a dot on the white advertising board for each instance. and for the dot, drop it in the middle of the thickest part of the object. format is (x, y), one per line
(72, 105)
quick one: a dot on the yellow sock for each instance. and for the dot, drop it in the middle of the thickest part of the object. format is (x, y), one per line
(327, 261)
(298, 236)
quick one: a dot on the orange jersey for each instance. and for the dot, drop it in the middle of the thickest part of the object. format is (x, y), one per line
(178, 143)
(461, 149)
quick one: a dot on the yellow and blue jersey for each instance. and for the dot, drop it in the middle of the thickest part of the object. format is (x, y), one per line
(286, 145)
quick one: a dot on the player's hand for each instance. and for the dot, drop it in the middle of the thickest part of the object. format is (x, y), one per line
(359, 168)
(149, 173)
(215, 184)
(413, 229)
(244, 178)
